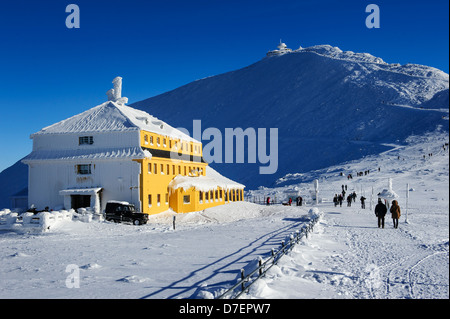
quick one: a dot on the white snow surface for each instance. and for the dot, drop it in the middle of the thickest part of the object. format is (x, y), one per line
(347, 256)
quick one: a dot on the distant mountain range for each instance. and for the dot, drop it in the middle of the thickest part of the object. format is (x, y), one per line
(329, 107)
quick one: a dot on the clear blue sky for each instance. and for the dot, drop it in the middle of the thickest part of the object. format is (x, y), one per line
(49, 72)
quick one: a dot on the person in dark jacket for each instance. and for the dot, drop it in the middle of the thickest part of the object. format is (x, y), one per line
(363, 202)
(380, 212)
(340, 200)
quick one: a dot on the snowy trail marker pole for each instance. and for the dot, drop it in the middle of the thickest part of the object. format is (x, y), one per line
(316, 189)
(174, 219)
(407, 197)
(371, 199)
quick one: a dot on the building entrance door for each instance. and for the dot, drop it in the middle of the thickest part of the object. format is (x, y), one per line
(79, 201)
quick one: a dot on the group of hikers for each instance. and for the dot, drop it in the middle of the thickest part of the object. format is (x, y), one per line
(380, 208)
(338, 199)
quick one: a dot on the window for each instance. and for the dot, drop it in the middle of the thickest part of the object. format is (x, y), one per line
(85, 140)
(146, 139)
(149, 168)
(164, 142)
(167, 198)
(162, 169)
(187, 199)
(168, 169)
(151, 140)
(158, 199)
(217, 195)
(200, 197)
(211, 195)
(158, 141)
(173, 169)
(206, 197)
(84, 169)
(155, 168)
(149, 200)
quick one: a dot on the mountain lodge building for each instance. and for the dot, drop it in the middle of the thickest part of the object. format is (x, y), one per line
(115, 152)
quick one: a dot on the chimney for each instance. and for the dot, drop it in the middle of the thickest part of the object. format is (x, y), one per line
(117, 88)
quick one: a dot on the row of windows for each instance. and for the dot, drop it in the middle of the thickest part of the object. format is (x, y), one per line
(154, 168)
(233, 195)
(86, 169)
(158, 199)
(204, 197)
(184, 146)
(175, 144)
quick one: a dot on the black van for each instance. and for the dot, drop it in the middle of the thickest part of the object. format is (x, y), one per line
(124, 212)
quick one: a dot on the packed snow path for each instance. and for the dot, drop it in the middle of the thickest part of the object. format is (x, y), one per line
(348, 256)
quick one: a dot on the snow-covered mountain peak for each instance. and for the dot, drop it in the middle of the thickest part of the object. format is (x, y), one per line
(370, 61)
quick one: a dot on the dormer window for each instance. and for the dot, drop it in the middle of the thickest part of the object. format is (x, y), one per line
(85, 140)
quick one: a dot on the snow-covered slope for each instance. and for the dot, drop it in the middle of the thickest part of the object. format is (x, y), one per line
(329, 106)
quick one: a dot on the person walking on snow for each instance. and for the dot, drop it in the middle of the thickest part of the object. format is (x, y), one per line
(363, 204)
(395, 211)
(349, 200)
(340, 199)
(380, 212)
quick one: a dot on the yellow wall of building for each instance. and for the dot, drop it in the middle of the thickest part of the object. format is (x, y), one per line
(158, 172)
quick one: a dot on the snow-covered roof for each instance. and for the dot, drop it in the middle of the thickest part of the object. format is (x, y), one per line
(211, 181)
(88, 154)
(79, 191)
(113, 116)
